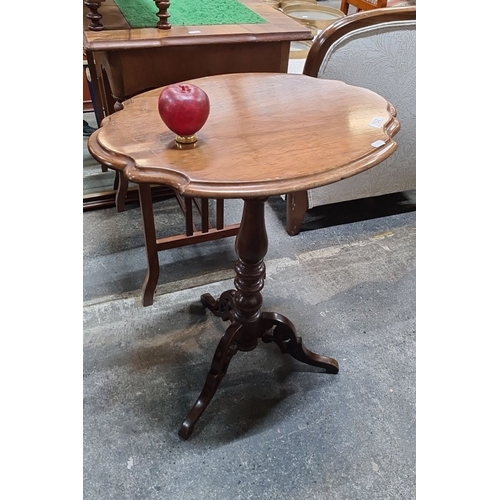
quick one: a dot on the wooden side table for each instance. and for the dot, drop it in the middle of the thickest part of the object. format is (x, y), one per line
(267, 134)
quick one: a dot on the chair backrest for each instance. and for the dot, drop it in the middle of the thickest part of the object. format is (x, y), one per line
(362, 4)
(376, 49)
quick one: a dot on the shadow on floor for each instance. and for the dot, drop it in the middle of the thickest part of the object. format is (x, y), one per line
(348, 212)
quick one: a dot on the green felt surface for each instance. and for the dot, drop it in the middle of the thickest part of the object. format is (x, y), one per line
(142, 13)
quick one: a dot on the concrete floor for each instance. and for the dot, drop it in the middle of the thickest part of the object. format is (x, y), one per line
(276, 429)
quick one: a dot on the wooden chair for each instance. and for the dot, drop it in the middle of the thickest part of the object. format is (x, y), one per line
(362, 5)
(375, 49)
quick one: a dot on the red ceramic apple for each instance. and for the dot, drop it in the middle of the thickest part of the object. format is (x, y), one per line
(184, 109)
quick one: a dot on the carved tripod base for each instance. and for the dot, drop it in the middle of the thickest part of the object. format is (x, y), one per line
(242, 307)
(273, 327)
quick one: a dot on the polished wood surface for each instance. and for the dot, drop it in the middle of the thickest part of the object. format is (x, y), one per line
(266, 134)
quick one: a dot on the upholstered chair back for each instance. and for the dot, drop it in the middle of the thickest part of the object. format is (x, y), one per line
(382, 58)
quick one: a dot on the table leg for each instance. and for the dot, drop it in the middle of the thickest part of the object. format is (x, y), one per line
(242, 307)
(280, 330)
(153, 274)
(121, 192)
(226, 349)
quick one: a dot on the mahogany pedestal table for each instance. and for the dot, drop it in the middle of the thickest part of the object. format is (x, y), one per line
(267, 134)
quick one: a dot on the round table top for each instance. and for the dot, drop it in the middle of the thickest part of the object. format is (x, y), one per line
(267, 134)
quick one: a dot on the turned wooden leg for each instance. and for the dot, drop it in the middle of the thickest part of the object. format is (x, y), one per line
(241, 306)
(280, 329)
(251, 246)
(149, 286)
(163, 14)
(226, 349)
(93, 15)
(296, 208)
